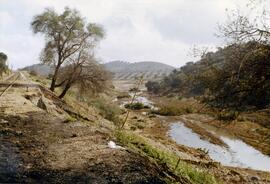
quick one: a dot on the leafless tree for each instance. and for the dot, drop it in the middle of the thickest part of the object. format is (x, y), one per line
(251, 25)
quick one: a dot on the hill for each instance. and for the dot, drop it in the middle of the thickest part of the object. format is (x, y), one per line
(41, 69)
(127, 71)
(121, 70)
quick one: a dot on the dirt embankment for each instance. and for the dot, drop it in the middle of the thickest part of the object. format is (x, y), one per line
(41, 143)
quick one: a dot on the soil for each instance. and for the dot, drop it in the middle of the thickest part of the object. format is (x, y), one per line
(46, 145)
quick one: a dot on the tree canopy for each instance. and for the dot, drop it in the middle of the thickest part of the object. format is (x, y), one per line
(69, 47)
(65, 35)
(236, 76)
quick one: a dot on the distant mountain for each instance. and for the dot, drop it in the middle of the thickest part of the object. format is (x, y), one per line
(41, 69)
(127, 71)
(121, 70)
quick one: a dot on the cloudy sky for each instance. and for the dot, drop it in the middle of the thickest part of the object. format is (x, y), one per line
(136, 30)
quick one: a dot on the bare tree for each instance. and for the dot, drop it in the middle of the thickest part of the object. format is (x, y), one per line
(252, 25)
(65, 34)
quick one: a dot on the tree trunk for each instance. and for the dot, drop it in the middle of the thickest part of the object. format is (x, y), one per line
(64, 91)
(54, 77)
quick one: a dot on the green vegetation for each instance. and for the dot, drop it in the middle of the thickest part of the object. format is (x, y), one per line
(70, 119)
(136, 106)
(234, 77)
(109, 111)
(183, 170)
(123, 95)
(173, 107)
(69, 47)
(33, 72)
(228, 115)
(3, 64)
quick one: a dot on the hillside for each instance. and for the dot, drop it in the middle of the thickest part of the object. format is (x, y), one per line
(122, 70)
(128, 71)
(41, 69)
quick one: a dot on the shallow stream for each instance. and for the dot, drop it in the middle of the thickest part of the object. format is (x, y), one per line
(238, 153)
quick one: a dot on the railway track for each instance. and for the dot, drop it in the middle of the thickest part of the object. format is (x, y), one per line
(17, 80)
(8, 85)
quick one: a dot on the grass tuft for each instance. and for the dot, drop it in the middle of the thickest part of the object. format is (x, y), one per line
(139, 144)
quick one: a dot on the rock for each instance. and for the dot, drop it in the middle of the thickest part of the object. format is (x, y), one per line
(254, 178)
(41, 104)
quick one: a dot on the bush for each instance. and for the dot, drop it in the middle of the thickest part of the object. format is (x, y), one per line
(107, 110)
(228, 115)
(33, 73)
(123, 95)
(173, 108)
(134, 89)
(168, 111)
(136, 106)
(153, 87)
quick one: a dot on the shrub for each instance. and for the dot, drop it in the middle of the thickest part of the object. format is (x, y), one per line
(134, 89)
(70, 119)
(108, 110)
(228, 115)
(33, 72)
(123, 95)
(135, 106)
(173, 108)
(153, 87)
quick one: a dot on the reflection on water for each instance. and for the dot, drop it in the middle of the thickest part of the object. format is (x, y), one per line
(238, 153)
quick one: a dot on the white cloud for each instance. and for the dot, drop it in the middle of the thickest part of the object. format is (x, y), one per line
(157, 30)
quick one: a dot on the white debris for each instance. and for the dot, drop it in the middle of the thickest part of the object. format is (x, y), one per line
(112, 145)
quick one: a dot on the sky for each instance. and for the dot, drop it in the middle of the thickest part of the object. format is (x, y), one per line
(136, 30)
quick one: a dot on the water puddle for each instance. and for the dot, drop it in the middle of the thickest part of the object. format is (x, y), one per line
(238, 153)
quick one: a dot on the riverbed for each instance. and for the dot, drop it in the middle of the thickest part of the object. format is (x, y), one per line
(236, 154)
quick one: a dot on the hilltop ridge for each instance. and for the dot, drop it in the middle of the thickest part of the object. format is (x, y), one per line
(123, 70)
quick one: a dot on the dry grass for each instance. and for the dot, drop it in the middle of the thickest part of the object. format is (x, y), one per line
(176, 107)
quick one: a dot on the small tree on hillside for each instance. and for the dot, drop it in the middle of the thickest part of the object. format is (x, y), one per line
(3, 65)
(84, 72)
(65, 34)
